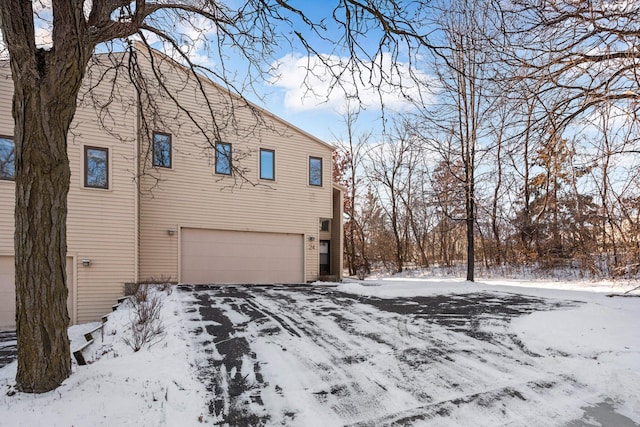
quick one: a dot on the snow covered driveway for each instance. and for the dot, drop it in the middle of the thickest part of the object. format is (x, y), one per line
(364, 355)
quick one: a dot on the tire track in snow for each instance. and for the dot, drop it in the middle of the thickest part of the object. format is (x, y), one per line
(364, 360)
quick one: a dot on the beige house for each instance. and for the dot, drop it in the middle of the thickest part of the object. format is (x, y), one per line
(181, 181)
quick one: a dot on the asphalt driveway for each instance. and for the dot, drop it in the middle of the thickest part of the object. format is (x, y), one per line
(7, 347)
(310, 355)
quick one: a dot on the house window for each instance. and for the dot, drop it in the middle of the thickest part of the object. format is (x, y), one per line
(7, 159)
(315, 171)
(324, 224)
(161, 150)
(223, 158)
(96, 167)
(267, 164)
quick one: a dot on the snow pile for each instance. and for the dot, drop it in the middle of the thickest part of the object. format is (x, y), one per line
(119, 387)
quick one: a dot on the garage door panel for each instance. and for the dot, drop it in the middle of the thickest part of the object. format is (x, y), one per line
(220, 256)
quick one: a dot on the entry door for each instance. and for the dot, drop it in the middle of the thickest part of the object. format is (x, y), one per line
(325, 266)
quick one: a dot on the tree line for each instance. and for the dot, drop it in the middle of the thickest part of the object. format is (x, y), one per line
(526, 154)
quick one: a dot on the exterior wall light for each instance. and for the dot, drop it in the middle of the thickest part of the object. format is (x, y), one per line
(312, 238)
(171, 231)
(86, 262)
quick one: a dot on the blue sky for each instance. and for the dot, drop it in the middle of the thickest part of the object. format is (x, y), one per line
(309, 104)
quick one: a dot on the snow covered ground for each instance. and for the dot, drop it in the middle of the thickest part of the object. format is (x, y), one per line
(381, 352)
(153, 387)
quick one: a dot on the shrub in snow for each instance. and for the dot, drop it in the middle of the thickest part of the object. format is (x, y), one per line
(146, 323)
(164, 284)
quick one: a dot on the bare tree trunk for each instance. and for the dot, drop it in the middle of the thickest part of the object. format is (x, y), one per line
(607, 211)
(496, 193)
(525, 228)
(46, 85)
(470, 221)
(395, 227)
(424, 260)
(44, 358)
(388, 171)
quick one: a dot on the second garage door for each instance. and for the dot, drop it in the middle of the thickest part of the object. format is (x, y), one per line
(7, 293)
(220, 256)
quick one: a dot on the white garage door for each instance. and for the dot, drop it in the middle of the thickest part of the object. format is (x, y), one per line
(8, 291)
(217, 256)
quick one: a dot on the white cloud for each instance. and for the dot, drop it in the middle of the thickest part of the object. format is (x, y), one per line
(44, 37)
(612, 118)
(43, 25)
(310, 83)
(193, 40)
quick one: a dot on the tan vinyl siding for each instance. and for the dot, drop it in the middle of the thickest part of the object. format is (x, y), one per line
(191, 195)
(7, 188)
(7, 197)
(100, 223)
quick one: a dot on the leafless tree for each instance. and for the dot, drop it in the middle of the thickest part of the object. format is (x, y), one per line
(586, 51)
(491, 217)
(390, 168)
(523, 145)
(448, 195)
(464, 98)
(611, 132)
(353, 154)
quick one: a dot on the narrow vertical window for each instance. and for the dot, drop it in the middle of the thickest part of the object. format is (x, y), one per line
(267, 164)
(161, 150)
(7, 159)
(223, 158)
(96, 167)
(315, 171)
